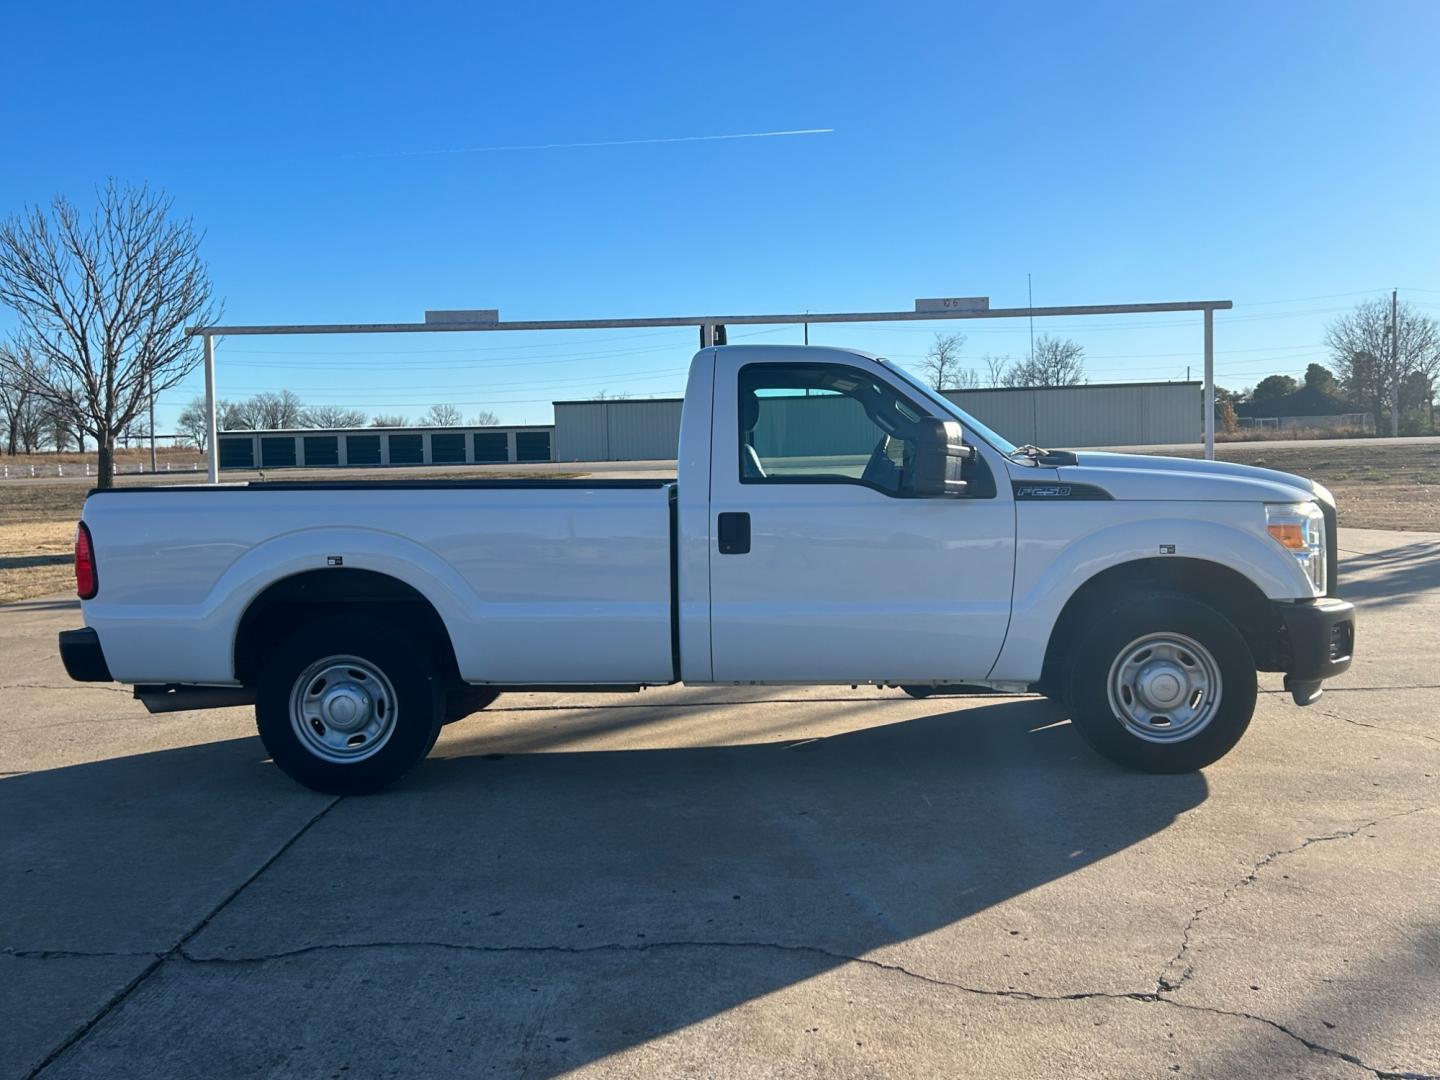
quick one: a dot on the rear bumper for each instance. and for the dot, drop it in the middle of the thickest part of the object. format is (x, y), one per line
(81, 654)
(1321, 638)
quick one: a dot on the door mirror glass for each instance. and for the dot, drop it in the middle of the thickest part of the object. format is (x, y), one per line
(940, 457)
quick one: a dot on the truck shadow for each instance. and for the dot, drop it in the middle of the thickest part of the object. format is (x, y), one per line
(1395, 575)
(535, 912)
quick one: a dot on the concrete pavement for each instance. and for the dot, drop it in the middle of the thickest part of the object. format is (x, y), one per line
(733, 882)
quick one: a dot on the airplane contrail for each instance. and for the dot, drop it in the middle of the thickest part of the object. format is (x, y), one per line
(607, 142)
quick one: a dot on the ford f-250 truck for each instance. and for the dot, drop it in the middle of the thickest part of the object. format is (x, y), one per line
(833, 520)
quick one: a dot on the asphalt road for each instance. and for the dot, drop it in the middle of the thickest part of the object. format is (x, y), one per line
(733, 882)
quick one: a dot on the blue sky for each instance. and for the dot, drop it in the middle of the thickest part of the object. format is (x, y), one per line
(1285, 156)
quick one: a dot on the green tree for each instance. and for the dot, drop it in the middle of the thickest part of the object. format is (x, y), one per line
(1319, 377)
(1272, 387)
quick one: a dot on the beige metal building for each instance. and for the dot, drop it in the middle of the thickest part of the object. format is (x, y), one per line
(1098, 414)
(1107, 414)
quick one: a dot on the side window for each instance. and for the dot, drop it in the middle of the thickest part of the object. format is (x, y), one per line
(823, 423)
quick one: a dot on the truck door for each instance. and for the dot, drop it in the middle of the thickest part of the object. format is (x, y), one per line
(822, 568)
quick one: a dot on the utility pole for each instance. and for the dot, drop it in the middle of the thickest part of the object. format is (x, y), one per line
(1030, 303)
(153, 467)
(1394, 363)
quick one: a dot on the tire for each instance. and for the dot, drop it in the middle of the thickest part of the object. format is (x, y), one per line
(346, 707)
(465, 701)
(1160, 682)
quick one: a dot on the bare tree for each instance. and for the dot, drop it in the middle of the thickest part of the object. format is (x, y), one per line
(274, 411)
(995, 367)
(1370, 370)
(58, 428)
(942, 364)
(332, 416)
(606, 395)
(485, 418)
(104, 301)
(229, 416)
(191, 423)
(442, 416)
(1055, 362)
(23, 410)
(395, 420)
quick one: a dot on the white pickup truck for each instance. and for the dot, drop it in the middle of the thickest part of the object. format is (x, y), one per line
(833, 521)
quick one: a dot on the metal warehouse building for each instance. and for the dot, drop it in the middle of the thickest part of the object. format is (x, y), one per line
(1104, 414)
(638, 430)
(1108, 414)
(383, 446)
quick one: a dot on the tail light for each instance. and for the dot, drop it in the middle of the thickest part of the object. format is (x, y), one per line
(87, 580)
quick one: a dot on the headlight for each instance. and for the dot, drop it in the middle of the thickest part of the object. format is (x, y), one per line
(1300, 529)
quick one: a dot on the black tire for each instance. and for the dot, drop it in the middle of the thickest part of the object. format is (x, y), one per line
(465, 701)
(1108, 633)
(418, 693)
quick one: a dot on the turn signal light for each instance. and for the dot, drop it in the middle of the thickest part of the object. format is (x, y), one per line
(1290, 534)
(87, 581)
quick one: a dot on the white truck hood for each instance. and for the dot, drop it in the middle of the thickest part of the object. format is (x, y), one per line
(1142, 476)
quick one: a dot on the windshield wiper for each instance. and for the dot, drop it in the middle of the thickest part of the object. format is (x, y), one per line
(1041, 456)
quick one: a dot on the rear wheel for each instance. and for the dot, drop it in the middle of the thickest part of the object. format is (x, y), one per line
(1161, 682)
(346, 707)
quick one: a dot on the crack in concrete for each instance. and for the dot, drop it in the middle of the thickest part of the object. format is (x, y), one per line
(117, 999)
(1362, 689)
(1379, 727)
(76, 954)
(1147, 997)
(1165, 984)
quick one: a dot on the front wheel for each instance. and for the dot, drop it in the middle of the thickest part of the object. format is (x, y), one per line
(1161, 683)
(346, 707)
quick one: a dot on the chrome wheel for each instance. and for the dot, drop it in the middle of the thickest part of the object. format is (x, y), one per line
(1164, 688)
(343, 709)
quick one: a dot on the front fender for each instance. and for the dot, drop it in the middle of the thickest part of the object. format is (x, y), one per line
(1052, 564)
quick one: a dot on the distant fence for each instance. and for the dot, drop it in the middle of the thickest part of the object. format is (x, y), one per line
(1351, 422)
(31, 471)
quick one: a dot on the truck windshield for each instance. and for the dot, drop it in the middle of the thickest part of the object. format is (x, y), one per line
(968, 422)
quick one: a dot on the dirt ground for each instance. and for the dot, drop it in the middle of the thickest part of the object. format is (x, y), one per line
(1377, 486)
(125, 459)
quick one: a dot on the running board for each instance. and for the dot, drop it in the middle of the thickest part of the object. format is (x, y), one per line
(170, 697)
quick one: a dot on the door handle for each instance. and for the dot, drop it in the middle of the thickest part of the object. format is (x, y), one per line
(734, 534)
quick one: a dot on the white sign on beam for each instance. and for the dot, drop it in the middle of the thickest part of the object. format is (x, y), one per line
(473, 317)
(954, 303)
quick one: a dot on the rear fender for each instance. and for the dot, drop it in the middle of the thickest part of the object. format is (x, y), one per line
(196, 643)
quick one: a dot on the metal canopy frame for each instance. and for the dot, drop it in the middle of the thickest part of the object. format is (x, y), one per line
(711, 327)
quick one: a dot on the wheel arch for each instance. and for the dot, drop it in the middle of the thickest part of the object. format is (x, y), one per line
(284, 604)
(1226, 590)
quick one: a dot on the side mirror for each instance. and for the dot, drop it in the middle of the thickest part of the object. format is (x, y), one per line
(940, 456)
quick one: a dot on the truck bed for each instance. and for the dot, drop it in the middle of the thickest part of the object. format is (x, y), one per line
(539, 581)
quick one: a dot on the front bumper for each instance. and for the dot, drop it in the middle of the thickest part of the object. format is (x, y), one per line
(1321, 639)
(83, 659)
